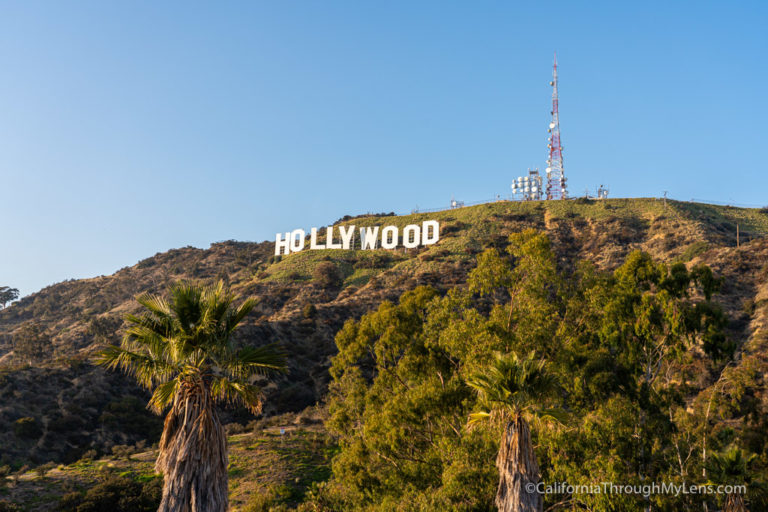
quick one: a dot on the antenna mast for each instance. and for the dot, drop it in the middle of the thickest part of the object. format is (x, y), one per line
(556, 188)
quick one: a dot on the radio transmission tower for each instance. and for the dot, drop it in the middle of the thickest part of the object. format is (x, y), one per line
(556, 188)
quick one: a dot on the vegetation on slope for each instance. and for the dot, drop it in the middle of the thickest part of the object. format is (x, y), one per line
(65, 407)
(266, 470)
(636, 352)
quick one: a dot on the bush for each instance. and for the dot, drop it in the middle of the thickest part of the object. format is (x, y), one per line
(89, 455)
(309, 311)
(693, 250)
(234, 428)
(31, 343)
(123, 451)
(115, 494)
(269, 499)
(42, 469)
(23, 469)
(327, 274)
(374, 260)
(130, 415)
(27, 428)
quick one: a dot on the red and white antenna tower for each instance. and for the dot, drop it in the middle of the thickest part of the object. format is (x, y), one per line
(556, 188)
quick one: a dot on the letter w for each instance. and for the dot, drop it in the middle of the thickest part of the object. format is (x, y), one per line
(368, 241)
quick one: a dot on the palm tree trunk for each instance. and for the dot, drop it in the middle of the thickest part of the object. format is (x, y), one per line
(734, 503)
(518, 470)
(193, 454)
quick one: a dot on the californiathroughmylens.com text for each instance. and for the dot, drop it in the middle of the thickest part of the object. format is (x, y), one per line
(388, 237)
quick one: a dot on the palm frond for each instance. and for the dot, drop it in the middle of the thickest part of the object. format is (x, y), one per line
(187, 305)
(189, 336)
(161, 326)
(163, 395)
(559, 416)
(225, 390)
(156, 304)
(146, 370)
(513, 384)
(236, 316)
(478, 417)
(262, 360)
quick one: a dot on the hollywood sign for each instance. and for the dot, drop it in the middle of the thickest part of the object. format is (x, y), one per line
(388, 237)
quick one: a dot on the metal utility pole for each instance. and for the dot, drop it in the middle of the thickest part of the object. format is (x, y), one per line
(556, 188)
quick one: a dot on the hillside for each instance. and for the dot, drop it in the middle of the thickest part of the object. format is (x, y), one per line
(266, 468)
(75, 407)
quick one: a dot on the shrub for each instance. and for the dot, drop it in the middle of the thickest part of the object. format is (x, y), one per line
(23, 469)
(294, 276)
(89, 455)
(309, 311)
(257, 425)
(269, 499)
(32, 343)
(130, 415)
(693, 250)
(120, 451)
(42, 469)
(327, 274)
(373, 260)
(116, 494)
(27, 428)
(104, 328)
(234, 428)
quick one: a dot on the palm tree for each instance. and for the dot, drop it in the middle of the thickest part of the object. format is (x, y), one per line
(732, 467)
(511, 393)
(182, 349)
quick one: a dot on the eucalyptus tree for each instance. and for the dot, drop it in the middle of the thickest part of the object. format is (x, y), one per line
(182, 348)
(7, 294)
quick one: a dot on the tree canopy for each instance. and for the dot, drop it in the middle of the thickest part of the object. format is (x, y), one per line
(7, 294)
(631, 350)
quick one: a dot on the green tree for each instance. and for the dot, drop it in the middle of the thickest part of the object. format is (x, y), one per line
(183, 349)
(398, 405)
(628, 349)
(7, 294)
(512, 392)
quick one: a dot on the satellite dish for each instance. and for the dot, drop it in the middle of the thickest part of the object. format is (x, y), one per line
(551, 125)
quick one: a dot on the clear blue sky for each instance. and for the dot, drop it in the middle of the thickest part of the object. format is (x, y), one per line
(128, 128)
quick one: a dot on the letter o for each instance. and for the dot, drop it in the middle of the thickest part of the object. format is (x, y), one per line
(411, 230)
(389, 237)
(297, 240)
